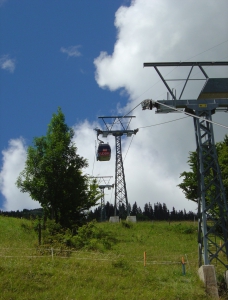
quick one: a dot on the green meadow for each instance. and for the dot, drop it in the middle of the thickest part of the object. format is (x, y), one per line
(117, 261)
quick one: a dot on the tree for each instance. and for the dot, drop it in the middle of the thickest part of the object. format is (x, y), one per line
(189, 184)
(134, 210)
(222, 150)
(53, 175)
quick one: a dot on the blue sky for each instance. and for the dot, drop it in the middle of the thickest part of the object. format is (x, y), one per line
(52, 45)
(87, 57)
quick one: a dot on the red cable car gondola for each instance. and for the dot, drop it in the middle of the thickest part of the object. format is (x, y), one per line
(103, 152)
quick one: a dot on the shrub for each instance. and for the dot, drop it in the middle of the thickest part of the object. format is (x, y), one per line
(126, 224)
(91, 237)
(185, 229)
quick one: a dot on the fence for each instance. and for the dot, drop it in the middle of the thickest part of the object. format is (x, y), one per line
(55, 253)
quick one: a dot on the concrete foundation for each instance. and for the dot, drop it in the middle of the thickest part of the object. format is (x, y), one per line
(131, 219)
(114, 219)
(226, 278)
(207, 275)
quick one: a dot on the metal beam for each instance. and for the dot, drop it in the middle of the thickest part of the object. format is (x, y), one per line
(212, 201)
(120, 183)
(201, 103)
(167, 86)
(185, 64)
(213, 211)
(116, 117)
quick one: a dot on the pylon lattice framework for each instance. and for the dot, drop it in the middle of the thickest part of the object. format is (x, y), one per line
(121, 199)
(120, 183)
(212, 203)
(105, 184)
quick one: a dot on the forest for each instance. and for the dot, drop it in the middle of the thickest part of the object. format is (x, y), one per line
(158, 212)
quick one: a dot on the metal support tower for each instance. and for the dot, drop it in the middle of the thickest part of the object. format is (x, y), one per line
(105, 180)
(120, 183)
(121, 198)
(212, 202)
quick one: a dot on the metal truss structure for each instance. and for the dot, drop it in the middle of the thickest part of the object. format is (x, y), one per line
(121, 198)
(103, 182)
(212, 202)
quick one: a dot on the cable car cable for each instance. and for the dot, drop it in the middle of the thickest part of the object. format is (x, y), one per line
(208, 49)
(151, 126)
(163, 122)
(191, 115)
(94, 157)
(128, 147)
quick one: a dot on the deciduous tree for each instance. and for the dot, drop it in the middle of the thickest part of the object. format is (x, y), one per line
(189, 184)
(53, 175)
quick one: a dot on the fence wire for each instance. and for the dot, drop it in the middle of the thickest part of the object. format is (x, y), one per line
(55, 253)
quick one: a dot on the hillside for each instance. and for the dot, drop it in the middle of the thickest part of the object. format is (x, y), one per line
(115, 271)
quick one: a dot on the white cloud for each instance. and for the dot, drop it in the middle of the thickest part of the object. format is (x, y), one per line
(13, 163)
(146, 179)
(147, 31)
(7, 63)
(160, 31)
(154, 31)
(72, 51)
(86, 141)
(148, 176)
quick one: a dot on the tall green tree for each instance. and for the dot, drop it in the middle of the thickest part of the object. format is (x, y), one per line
(222, 150)
(53, 175)
(189, 185)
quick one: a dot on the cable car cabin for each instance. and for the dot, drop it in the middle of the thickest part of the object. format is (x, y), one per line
(103, 152)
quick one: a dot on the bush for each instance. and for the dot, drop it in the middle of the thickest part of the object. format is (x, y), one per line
(91, 237)
(55, 235)
(126, 224)
(185, 229)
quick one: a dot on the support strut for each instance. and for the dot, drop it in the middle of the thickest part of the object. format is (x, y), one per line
(121, 200)
(212, 204)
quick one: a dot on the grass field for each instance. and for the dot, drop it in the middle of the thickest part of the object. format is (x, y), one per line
(105, 273)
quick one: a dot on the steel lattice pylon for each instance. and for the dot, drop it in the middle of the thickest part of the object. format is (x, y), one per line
(103, 214)
(212, 204)
(103, 183)
(120, 183)
(121, 200)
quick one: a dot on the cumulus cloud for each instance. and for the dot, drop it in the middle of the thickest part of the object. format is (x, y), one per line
(146, 180)
(147, 31)
(71, 51)
(13, 163)
(159, 31)
(149, 177)
(7, 63)
(85, 139)
(154, 31)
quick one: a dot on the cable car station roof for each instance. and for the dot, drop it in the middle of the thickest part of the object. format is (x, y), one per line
(214, 93)
(215, 88)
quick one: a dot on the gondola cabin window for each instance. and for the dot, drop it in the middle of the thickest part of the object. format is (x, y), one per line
(103, 152)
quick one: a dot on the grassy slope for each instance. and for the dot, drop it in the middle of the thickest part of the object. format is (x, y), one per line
(115, 274)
